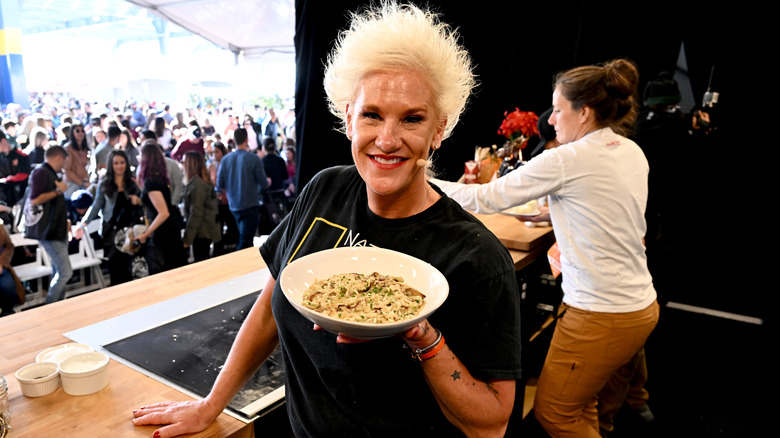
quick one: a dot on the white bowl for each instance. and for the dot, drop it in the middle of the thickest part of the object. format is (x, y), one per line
(38, 379)
(84, 373)
(59, 353)
(303, 272)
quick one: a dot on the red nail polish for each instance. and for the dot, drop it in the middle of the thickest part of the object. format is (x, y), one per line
(156, 434)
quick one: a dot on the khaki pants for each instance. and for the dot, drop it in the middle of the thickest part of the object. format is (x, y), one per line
(586, 350)
(626, 385)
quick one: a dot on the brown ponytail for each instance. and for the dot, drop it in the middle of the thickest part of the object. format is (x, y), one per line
(610, 90)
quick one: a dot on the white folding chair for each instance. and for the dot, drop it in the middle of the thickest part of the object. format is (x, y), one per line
(85, 260)
(95, 227)
(37, 269)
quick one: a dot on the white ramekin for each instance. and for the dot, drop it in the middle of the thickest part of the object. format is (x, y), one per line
(59, 353)
(84, 373)
(38, 379)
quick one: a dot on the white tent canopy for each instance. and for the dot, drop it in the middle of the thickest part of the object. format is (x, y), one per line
(159, 49)
(251, 28)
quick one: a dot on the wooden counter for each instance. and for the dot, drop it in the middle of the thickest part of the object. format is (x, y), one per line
(515, 234)
(107, 413)
(525, 243)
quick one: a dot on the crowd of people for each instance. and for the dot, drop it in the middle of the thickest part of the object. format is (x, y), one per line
(151, 177)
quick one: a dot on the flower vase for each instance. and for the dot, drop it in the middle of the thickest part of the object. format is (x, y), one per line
(513, 157)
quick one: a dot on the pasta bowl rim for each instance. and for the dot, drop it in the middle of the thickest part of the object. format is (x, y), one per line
(322, 264)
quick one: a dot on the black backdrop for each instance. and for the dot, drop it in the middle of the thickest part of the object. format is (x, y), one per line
(517, 47)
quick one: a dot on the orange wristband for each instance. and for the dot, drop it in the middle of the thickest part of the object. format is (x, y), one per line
(439, 347)
(428, 352)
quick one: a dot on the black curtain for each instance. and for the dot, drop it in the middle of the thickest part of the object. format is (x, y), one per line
(518, 47)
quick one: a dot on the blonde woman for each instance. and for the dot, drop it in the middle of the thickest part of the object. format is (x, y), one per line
(398, 80)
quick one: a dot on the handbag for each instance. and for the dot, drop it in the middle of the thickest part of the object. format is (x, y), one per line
(37, 218)
(140, 268)
(125, 241)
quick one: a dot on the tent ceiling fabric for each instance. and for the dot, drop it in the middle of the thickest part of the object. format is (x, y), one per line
(251, 28)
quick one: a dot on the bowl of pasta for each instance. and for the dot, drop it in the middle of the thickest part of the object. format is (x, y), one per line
(363, 292)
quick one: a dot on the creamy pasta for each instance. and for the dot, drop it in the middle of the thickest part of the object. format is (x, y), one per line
(371, 298)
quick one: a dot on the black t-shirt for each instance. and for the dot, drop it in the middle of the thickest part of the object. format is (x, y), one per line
(42, 180)
(169, 232)
(375, 388)
(275, 168)
(155, 184)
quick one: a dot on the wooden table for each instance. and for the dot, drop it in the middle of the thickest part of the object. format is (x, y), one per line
(107, 413)
(525, 243)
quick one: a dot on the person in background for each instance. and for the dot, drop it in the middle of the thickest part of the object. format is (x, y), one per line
(24, 137)
(151, 115)
(162, 132)
(100, 157)
(290, 190)
(231, 125)
(207, 128)
(274, 200)
(241, 177)
(36, 150)
(274, 166)
(12, 292)
(178, 123)
(166, 114)
(99, 136)
(272, 127)
(10, 128)
(128, 145)
(46, 187)
(215, 156)
(135, 114)
(547, 138)
(77, 205)
(661, 125)
(118, 204)
(200, 208)
(163, 235)
(63, 133)
(193, 141)
(91, 128)
(227, 223)
(596, 183)
(77, 165)
(253, 130)
(14, 171)
(175, 174)
(385, 64)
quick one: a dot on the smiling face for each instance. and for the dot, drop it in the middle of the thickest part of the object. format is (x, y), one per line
(393, 122)
(119, 165)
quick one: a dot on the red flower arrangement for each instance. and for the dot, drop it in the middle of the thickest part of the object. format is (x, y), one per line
(519, 123)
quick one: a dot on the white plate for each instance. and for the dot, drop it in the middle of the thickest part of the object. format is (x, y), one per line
(303, 272)
(522, 211)
(61, 352)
